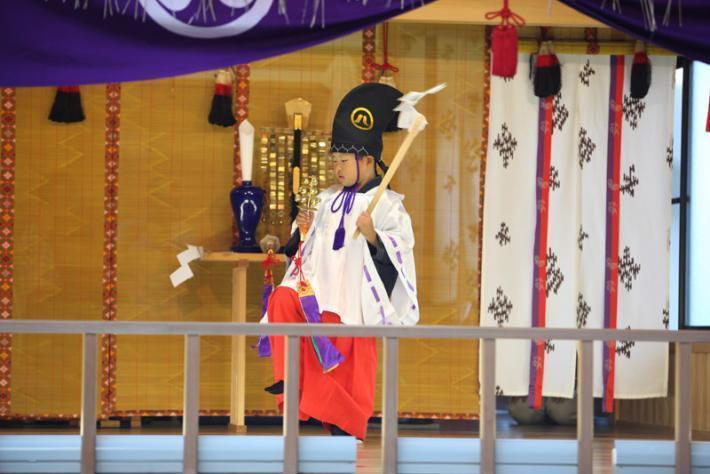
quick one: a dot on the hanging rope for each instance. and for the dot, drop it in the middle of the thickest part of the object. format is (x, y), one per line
(504, 41)
(385, 66)
(507, 16)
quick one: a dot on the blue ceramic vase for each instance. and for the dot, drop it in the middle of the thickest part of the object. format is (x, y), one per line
(247, 201)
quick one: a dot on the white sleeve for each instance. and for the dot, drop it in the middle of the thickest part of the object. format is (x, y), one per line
(394, 228)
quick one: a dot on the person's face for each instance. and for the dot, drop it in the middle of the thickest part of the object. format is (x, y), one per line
(345, 168)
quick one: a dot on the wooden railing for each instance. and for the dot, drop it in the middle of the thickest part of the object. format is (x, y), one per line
(391, 336)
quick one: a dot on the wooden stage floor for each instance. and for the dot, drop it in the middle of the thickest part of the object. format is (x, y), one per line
(369, 451)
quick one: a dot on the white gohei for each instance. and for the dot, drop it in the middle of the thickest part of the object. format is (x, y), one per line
(184, 273)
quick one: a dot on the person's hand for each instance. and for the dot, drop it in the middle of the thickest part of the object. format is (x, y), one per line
(304, 219)
(367, 227)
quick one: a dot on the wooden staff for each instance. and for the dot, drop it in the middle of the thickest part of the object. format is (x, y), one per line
(403, 148)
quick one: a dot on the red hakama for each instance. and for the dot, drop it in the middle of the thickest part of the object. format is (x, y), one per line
(345, 396)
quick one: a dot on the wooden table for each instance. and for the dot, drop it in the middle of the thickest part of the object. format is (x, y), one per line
(241, 263)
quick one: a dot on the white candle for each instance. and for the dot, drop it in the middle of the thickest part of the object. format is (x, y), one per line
(246, 148)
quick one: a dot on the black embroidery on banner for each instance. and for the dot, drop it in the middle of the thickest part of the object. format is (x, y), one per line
(624, 347)
(560, 114)
(581, 237)
(586, 72)
(549, 346)
(669, 156)
(503, 235)
(555, 277)
(633, 110)
(500, 307)
(628, 269)
(666, 317)
(554, 178)
(630, 181)
(583, 310)
(506, 144)
(585, 147)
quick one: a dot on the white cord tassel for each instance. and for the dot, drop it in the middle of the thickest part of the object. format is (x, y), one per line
(283, 10)
(615, 5)
(667, 14)
(205, 5)
(318, 4)
(649, 14)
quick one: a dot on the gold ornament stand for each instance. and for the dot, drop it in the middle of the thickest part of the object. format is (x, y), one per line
(241, 262)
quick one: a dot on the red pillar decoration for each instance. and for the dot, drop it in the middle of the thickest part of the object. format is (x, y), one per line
(483, 153)
(7, 223)
(368, 54)
(241, 113)
(111, 155)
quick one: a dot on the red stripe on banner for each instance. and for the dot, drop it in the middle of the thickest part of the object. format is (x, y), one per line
(110, 277)
(7, 240)
(368, 54)
(541, 255)
(613, 262)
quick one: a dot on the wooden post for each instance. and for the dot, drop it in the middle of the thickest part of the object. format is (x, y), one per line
(238, 363)
(488, 405)
(290, 420)
(390, 420)
(585, 406)
(191, 404)
(88, 404)
(682, 407)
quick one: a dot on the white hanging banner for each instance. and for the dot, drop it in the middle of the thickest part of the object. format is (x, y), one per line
(576, 222)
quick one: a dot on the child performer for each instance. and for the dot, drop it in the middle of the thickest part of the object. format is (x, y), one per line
(367, 280)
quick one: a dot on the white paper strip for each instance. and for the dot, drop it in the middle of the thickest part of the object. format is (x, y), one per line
(184, 273)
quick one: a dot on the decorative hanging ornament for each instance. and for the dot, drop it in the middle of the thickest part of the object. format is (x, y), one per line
(547, 75)
(67, 105)
(221, 111)
(504, 41)
(263, 345)
(387, 70)
(640, 72)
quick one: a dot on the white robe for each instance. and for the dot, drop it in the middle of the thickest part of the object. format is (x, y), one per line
(346, 281)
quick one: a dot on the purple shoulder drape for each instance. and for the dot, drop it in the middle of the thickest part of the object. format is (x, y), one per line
(686, 31)
(59, 42)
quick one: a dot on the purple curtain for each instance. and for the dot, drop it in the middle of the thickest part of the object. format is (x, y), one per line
(60, 42)
(686, 31)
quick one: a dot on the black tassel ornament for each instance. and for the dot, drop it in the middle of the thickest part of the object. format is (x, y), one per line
(221, 112)
(67, 106)
(640, 72)
(547, 80)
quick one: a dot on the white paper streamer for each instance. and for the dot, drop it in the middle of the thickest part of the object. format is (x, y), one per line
(184, 273)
